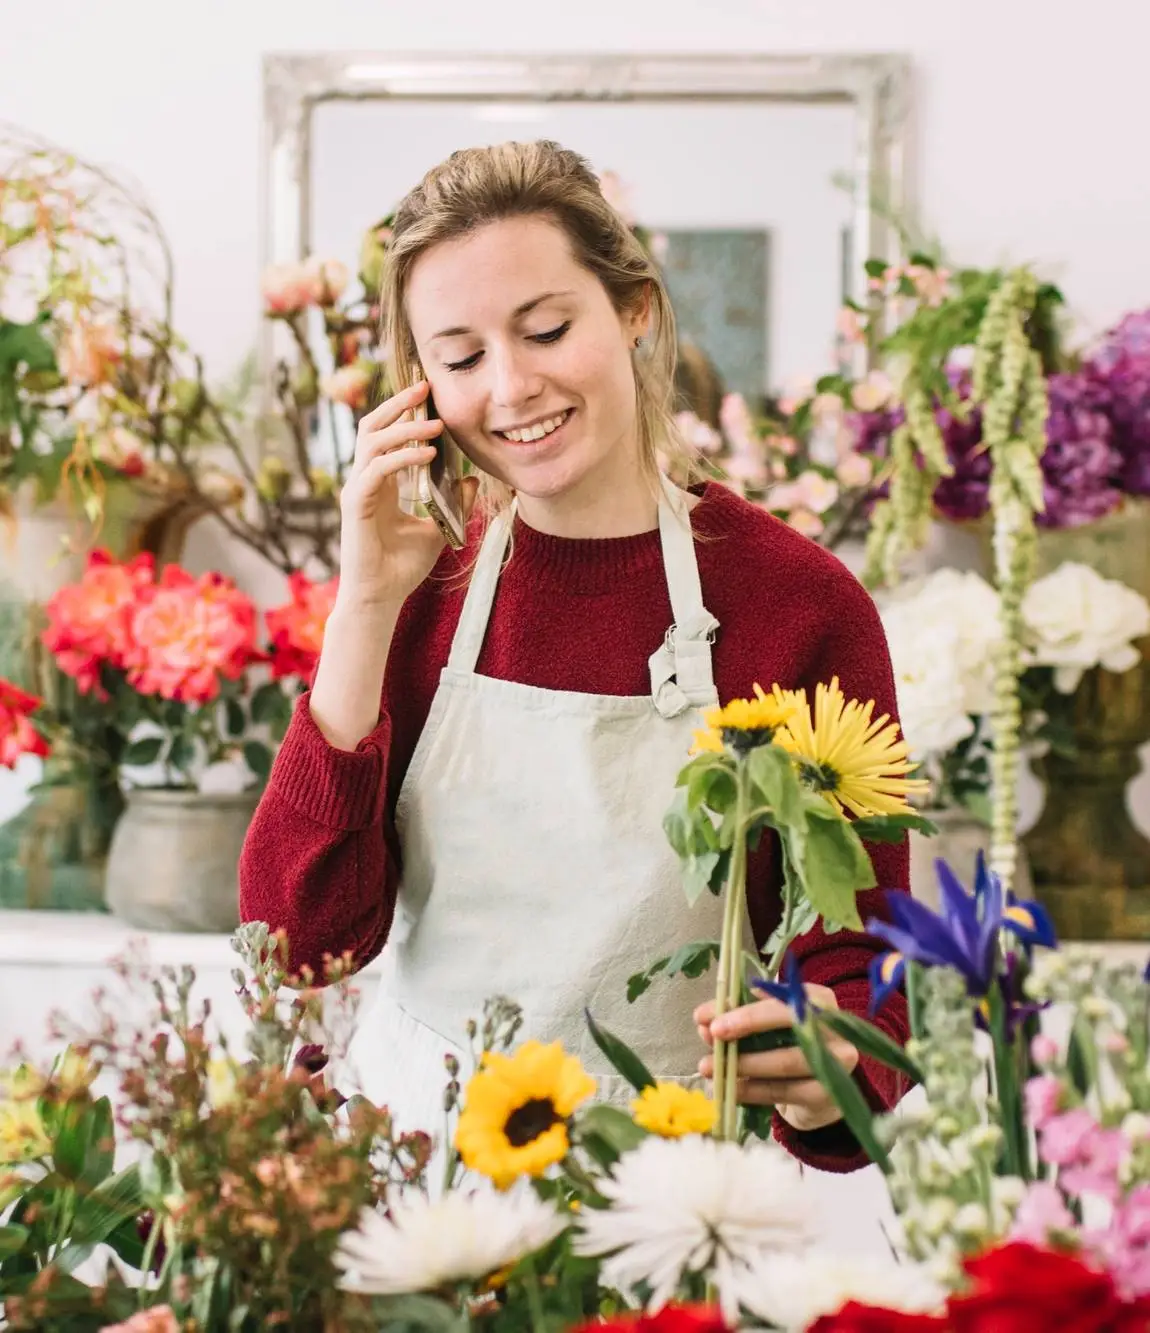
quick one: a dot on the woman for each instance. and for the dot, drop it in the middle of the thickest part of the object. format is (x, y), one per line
(478, 776)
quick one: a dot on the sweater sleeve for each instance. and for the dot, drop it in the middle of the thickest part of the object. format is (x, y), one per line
(854, 649)
(321, 856)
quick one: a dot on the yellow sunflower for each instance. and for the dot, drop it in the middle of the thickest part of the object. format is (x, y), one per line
(671, 1110)
(515, 1111)
(857, 763)
(743, 723)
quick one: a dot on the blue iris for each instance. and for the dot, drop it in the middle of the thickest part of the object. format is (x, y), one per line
(789, 990)
(962, 935)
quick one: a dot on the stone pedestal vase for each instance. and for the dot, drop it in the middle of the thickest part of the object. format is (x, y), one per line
(959, 839)
(173, 860)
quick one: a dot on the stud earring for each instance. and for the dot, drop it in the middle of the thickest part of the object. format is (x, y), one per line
(638, 342)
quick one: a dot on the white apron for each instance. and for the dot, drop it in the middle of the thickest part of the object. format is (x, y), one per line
(534, 860)
(535, 866)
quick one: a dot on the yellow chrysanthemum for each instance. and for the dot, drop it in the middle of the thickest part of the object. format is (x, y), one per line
(671, 1110)
(743, 723)
(22, 1134)
(858, 764)
(515, 1111)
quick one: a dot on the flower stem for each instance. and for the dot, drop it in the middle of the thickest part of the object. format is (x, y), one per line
(729, 992)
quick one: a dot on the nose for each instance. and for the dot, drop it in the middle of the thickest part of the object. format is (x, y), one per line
(514, 383)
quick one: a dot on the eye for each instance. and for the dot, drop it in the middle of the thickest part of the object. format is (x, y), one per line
(552, 335)
(468, 362)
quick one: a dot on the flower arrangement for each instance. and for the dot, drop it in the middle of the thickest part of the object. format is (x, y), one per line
(139, 670)
(797, 460)
(943, 633)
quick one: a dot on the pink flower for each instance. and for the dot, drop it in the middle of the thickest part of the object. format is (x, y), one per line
(1124, 1245)
(872, 393)
(348, 385)
(17, 734)
(90, 353)
(296, 628)
(1097, 1172)
(1043, 1049)
(802, 520)
(736, 423)
(848, 326)
(1043, 1211)
(698, 434)
(189, 632)
(1065, 1134)
(290, 288)
(89, 622)
(1043, 1099)
(159, 1319)
(854, 471)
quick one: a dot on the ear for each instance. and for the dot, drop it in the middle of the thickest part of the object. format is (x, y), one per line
(638, 322)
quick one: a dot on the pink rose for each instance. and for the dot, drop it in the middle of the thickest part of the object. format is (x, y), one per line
(348, 385)
(802, 520)
(848, 326)
(872, 393)
(1043, 1049)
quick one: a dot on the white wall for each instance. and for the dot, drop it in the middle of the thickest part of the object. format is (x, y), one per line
(1030, 123)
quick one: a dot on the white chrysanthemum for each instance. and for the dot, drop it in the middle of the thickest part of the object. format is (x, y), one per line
(791, 1291)
(1080, 620)
(695, 1205)
(463, 1236)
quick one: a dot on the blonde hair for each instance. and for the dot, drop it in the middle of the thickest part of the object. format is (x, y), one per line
(477, 186)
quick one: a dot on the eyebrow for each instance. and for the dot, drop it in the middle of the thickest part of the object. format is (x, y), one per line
(520, 310)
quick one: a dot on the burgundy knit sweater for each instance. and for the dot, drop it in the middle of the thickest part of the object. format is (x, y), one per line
(322, 858)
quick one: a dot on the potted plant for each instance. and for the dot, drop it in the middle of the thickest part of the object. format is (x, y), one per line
(161, 693)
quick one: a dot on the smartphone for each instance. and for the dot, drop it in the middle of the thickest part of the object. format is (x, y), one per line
(439, 485)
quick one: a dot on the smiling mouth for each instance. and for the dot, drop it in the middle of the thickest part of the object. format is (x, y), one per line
(540, 431)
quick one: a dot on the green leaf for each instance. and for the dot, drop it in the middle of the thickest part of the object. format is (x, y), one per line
(834, 868)
(418, 1314)
(84, 1142)
(234, 714)
(875, 268)
(119, 1200)
(622, 1058)
(689, 960)
(614, 1129)
(871, 1041)
(891, 828)
(143, 752)
(258, 758)
(759, 1121)
(845, 1093)
(710, 782)
(698, 875)
(267, 702)
(775, 783)
(12, 1240)
(182, 754)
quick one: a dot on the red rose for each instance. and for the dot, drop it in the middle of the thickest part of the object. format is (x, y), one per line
(670, 1319)
(856, 1318)
(1023, 1288)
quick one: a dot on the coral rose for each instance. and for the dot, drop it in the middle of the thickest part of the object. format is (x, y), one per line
(89, 622)
(187, 633)
(296, 628)
(17, 734)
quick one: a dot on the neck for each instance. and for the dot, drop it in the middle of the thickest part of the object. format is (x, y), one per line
(616, 506)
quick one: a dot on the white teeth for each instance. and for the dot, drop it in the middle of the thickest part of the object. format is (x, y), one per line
(536, 432)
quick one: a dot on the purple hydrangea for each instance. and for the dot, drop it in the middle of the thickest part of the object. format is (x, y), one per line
(1082, 470)
(1081, 467)
(1120, 368)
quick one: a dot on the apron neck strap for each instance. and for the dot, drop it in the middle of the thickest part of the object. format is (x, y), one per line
(681, 673)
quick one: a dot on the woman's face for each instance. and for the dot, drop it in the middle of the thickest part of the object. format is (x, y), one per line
(529, 363)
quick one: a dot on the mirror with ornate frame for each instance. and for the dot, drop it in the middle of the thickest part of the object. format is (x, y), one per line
(762, 181)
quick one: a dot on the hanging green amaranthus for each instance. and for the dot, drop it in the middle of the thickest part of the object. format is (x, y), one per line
(998, 313)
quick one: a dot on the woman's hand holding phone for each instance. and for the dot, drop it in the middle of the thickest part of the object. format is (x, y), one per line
(386, 553)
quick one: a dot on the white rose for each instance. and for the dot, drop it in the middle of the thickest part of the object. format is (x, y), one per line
(1079, 620)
